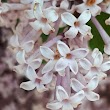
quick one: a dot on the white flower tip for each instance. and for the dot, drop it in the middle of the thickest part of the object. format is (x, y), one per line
(107, 49)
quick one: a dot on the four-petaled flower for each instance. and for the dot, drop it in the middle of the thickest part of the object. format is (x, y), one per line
(65, 101)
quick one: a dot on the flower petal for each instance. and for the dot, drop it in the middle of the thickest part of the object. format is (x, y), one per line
(46, 28)
(20, 57)
(64, 4)
(47, 78)
(62, 48)
(61, 94)
(73, 66)
(95, 52)
(93, 72)
(55, 105)
(76, 85)
(107, 49)
(30, 73)
(27, 85)
(41, 88)
(98, 59)
(93, 83)
(67, 106)
(77, 98)
(61, 64)
(68, 18)
(36, 25)
(51, 14)
(49, 66)
(28, 46)
(105, 66)
(92, 96)
(84, 17)
(71, 33)
(26, 1)
(80, 53)
(46, 52)
(14, 41)
(86, 64)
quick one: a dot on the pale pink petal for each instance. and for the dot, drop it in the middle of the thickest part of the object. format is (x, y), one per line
(49, 66)
(71, 33)
(51, 14)
(35, 63)
(93, 83)
(47, 78)
(98, 1)
(63, 48)
(80, 53)
(36, 25)
(55, 105)
(41, 88)
(30, 73)
(102, 76)
(93, 72)
(107, 49)
(95, 52)
(62, 73)
(27, 85)
(68, 18)
(64, 4)
(67, 106)
(84, 17)
(26, 1)
(14, 41)
(86, 64)
(80, 8)
(98, 59)
(76, 85)
(20, 57)
(84, 29)
(73, 66)
(46, 28)
(46, 52)
(95, 10)
(77, 98)
(105, 66)
(21, 69)
(61, 64)
(29, 14)
(92, 96)
(61, 94)
(28, 46)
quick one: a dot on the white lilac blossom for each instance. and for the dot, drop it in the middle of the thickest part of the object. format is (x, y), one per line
(47, 53)
(69, 57)
(91, 5)
(25, 64)
(77, 24)
(88, 89)
(96, 66)
(64, 101)
(36, 81)
(44, 20)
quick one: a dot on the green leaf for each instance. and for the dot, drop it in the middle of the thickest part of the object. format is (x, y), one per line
(44, 37)
(97, 41)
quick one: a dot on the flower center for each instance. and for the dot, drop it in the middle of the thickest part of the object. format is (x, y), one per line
(44, 20)
(68, 56)
(76, 24)
(56, 57)
(90, 2)
(38, 80)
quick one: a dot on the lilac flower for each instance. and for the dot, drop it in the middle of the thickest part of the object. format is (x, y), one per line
(64, 101)
(69, 57)
(88, 89)
(77, 25)
(92, 5)
(36, 81)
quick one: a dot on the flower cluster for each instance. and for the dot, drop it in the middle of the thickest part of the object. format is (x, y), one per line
(65, 59)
